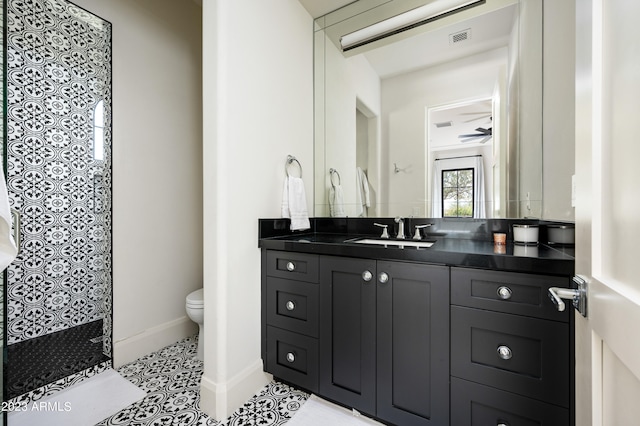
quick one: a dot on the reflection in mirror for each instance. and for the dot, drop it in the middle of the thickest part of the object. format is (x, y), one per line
(382, 111)
(460, 147)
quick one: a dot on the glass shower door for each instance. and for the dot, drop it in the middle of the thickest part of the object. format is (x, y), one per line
(58, 150)
(3, 287)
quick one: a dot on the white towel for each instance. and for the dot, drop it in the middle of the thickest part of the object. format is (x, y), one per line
(294, 203)
(362, 193)
(336, 201)
(8, 249)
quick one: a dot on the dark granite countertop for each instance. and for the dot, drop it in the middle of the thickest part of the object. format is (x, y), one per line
(540, 259)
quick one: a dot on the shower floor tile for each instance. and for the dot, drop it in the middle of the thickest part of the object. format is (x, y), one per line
(45, 359)
(171, 378)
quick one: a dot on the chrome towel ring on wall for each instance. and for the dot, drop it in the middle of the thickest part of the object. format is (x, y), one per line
(290, 160)
(333, 172)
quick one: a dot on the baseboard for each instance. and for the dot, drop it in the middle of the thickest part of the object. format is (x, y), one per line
(220, 400)
(133, 347)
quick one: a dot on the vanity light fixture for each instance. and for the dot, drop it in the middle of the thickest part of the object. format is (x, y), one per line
(405, 21)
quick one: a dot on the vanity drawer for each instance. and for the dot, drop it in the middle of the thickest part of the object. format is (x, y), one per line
(510, 292)
(292, 266)
(473, 404)
(293, 305)
(523, 355)
(293, 357)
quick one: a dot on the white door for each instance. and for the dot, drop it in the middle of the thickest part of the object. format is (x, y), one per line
(608, 211)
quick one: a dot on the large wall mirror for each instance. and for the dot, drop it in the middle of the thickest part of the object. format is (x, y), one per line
(402, 119)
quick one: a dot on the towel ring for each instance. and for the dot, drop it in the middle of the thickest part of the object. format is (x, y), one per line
(331, 173)
(290, 160)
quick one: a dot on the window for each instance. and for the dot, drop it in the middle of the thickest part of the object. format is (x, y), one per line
(457, 192)
(98, 131)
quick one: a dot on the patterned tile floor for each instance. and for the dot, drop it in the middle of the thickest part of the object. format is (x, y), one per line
(171, 378)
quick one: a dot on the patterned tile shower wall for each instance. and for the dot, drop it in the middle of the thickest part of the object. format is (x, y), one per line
(59, 167)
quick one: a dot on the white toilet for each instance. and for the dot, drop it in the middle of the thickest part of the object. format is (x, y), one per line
(195, 311)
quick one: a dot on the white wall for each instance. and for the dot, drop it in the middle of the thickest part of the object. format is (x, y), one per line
(258, 104)
(405, 100)
(358, 84)
(157, 169)
(530, 83)
(559, 109)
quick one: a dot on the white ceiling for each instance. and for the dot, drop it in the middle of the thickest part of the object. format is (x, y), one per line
(487, 32)
(318, 8)
(464, 119)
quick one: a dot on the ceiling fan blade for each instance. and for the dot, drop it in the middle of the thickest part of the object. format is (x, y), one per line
(484, 131)
(472, 135)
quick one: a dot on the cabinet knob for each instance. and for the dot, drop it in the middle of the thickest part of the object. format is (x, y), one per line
(502, 424)
(290, 305)
(291, 266)
(383, 277)
(367, 276)
(504, 352)
(504, 292)
(291, 357)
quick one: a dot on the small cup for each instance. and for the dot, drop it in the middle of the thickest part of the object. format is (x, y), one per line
(500, 238)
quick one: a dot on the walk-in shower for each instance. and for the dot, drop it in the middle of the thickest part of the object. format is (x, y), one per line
(57, 152)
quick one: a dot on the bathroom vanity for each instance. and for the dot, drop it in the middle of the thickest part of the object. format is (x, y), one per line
(459, 333)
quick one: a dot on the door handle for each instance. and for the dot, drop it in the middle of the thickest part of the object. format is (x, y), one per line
(16, 227)
(577, 295)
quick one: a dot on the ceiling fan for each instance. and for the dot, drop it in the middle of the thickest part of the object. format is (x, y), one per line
(483, 134)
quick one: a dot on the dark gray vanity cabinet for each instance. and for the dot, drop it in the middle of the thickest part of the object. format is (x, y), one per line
(384, 338)
(290, 317)
(419, 344)
(510, 350)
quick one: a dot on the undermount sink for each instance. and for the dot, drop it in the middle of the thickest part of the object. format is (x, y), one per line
(395, 243)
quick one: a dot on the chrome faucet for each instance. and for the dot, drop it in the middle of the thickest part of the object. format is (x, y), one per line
(400, 221)
(385, 234)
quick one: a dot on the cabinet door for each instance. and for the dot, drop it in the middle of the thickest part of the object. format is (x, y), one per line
(413, 343)
(347, 331)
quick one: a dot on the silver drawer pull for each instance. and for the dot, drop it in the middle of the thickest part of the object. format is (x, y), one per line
(291, 357)
(504, 352)
(383, 277)
(290, 305)
(291, 266)
(504, 292)
(367, 276)
(501, 423)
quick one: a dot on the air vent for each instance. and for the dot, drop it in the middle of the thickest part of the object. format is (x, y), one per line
(460, 36)
(443, 124)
